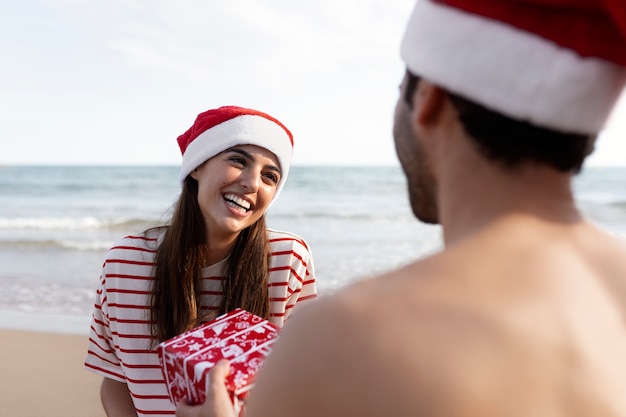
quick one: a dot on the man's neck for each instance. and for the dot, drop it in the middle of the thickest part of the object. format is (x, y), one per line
(471, 199)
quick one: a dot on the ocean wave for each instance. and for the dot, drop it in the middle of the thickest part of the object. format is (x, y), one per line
(76, 245)
(384, 216)
(73, 223)
(619, 204)
(29, 297)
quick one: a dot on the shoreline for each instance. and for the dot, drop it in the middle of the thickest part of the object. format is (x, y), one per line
(69, 324)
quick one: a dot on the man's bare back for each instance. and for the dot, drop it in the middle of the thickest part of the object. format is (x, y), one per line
(528, 325)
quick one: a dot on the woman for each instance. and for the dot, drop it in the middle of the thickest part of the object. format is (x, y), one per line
(215, 255)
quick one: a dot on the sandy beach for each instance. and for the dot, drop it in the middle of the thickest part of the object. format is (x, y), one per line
(43, 375)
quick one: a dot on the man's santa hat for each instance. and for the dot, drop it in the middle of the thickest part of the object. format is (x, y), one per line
(559, 64)
(217, 130)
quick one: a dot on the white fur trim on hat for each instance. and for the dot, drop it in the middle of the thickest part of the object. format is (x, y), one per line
(511, 71)
(241, 130)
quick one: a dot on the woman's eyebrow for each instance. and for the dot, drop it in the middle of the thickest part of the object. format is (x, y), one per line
(241, 152)
(251, 157)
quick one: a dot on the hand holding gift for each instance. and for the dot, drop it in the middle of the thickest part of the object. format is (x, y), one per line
(217, 403)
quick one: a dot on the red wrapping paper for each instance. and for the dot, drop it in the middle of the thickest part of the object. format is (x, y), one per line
(239, 336)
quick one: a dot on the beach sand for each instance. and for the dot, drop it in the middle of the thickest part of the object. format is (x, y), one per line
(42, 374)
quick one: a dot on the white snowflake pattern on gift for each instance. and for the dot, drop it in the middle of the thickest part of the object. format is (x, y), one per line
(240, 378)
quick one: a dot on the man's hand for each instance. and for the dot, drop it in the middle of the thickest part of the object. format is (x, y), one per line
(217, 403)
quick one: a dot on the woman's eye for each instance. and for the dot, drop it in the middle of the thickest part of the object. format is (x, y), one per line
(238, 160)
(274, 178)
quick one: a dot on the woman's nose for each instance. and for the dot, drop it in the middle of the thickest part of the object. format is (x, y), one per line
(250, 180)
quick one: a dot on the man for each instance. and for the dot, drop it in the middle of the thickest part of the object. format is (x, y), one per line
(524, 312)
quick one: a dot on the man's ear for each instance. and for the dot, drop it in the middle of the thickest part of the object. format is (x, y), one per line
(429, 101)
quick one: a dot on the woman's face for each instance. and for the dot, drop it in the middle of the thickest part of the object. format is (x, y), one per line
(235, 188)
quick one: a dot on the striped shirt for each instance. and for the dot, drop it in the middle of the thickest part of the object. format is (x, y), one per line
(120, 337)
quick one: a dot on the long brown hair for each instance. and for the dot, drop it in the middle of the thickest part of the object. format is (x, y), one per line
(175, 302)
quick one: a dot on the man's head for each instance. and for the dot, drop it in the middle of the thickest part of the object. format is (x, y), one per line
(530, 80)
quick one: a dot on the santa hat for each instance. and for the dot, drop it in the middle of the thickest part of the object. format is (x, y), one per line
(559, 64)
(216, 130)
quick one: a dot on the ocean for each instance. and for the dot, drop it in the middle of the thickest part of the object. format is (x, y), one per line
(57, 222)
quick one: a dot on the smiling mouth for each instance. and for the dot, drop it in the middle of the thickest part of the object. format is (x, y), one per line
(237, 203)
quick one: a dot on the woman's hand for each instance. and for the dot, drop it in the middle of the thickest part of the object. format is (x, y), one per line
(217, 403)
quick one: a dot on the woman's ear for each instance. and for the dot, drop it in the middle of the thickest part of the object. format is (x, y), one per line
(428, 102)
(194, 174)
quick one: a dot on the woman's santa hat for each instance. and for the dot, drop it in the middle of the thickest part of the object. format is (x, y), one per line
(559, 64)
(217, 130)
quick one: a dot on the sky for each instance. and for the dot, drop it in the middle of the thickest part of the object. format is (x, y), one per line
(116, 81)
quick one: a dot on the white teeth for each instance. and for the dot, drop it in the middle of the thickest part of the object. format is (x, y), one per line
(238, 201)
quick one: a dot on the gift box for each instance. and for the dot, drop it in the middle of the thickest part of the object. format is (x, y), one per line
(239, 336)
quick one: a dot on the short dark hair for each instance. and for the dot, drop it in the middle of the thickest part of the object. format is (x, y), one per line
(510, 141)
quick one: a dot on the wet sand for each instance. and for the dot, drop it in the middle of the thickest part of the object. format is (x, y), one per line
(42, 374)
